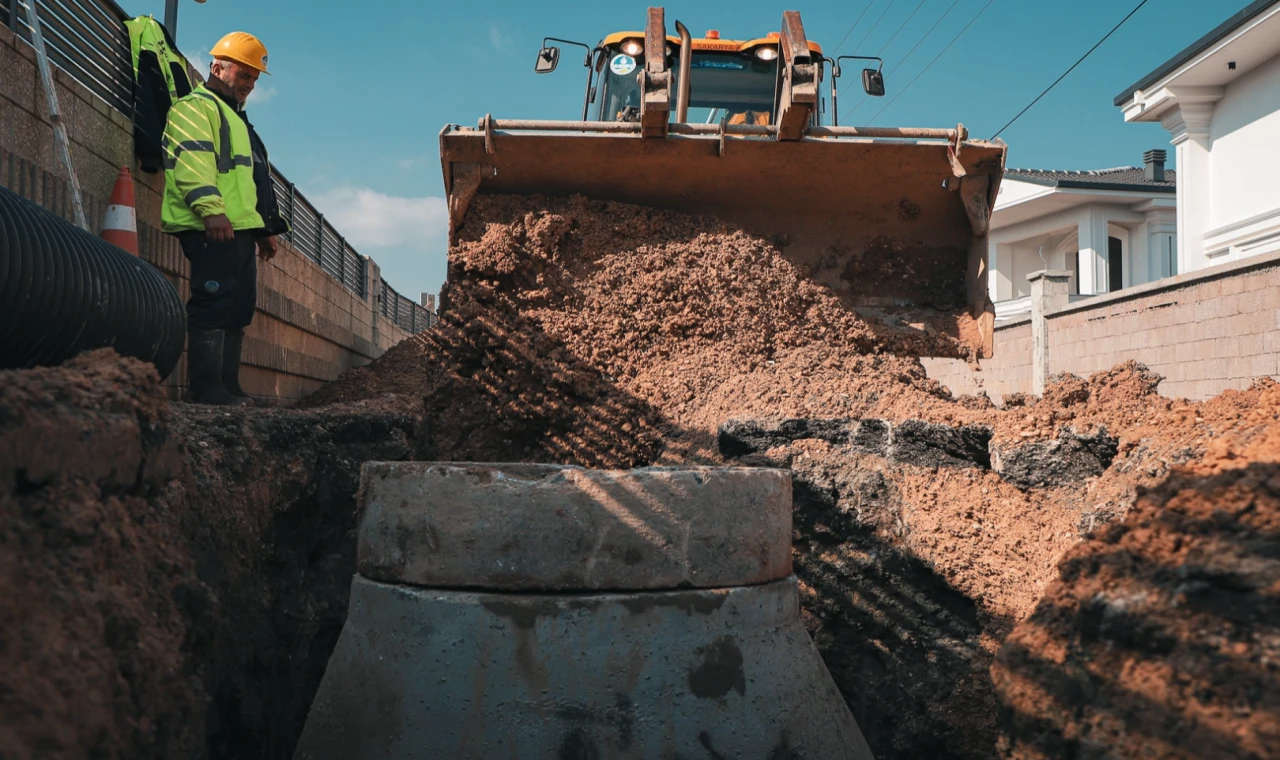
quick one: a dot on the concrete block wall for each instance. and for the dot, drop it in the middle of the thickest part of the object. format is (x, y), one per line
(1205, 332)
(308, 328)
(1008, 370)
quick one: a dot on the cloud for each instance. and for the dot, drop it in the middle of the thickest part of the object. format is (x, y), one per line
(369, 218)
(200, 62)
(407, 237)
(413, 162)
(500, 40)
(261, 96)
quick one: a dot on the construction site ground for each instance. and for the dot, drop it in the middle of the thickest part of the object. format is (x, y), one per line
(1090, 574)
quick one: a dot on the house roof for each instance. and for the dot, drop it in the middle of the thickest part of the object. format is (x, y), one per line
(1130, 178)
(1236, 21)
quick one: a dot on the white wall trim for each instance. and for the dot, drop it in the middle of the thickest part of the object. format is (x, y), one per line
(1268, 216)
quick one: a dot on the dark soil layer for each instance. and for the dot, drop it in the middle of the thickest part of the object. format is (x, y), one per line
(173, 579)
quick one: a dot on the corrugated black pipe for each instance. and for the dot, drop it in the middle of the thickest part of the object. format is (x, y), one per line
(64, 291)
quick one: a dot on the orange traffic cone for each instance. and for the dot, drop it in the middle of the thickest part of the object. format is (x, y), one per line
(120, 224)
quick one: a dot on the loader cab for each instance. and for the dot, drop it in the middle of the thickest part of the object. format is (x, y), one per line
(735, 81)
(729, 80)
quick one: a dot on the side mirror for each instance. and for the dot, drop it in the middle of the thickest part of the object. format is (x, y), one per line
(548, 59)
(873, 82)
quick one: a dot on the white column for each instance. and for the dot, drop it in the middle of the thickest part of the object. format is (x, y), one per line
(993, 270)
(1135, 264)
(1160, 227)
(1188, 124)
(1092, 233)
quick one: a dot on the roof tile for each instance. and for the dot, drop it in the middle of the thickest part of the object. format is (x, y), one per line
(1123, 175)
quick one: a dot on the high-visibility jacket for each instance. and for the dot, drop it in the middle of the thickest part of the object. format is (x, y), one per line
(160, 79)
(208, 165)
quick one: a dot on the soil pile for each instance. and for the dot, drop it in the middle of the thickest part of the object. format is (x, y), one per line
(917, 565)
(174, 579)
(1162, 637)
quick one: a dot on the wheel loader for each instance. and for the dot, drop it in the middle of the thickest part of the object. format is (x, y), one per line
(893, 220)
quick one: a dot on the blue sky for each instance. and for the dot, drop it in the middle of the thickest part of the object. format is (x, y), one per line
(359, 93)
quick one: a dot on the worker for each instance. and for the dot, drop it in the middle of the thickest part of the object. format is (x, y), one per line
(219, 201)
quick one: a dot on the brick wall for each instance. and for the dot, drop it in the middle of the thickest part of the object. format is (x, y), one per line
(309, 327)
(1204, 332)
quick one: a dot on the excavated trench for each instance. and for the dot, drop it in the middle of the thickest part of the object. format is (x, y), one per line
(174, 577)
(980, 582)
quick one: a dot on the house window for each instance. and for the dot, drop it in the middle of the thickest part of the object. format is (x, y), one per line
(1115, 264)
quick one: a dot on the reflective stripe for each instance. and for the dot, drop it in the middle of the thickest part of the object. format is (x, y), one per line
(198, 146)
(201, 192)
(225, 162)
(120, 218)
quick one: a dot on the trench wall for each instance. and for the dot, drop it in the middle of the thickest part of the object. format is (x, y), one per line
(309, 326)
(1206, 332)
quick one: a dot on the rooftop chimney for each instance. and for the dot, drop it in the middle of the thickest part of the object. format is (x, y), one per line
(1154, 163)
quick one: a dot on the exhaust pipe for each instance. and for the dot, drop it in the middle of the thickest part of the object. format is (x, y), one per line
(686, 64)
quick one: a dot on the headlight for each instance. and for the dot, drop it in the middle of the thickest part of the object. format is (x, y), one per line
(766, 53)
(632, 48)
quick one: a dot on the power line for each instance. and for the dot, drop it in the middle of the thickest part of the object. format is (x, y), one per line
(922, 39)
(1073, 67)
(853, 26)
(886, 45)
(910, 52)
(935, 60)
(887, 8)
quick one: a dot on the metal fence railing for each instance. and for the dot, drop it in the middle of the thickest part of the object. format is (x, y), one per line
(87, 39)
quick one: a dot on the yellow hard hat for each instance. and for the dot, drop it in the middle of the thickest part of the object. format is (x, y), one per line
(242, 47)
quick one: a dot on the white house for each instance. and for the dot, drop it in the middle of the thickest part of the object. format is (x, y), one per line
(1220, 101)
(1111, 228)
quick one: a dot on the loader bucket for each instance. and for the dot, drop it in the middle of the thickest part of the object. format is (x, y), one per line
(893, 221)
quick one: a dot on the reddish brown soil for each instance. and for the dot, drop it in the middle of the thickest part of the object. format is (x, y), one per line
(99, 600)
(597, 322)
(1162, 636)
(609, 335)
(173, 579)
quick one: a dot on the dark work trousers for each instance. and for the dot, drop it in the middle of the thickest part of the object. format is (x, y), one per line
(224, 281)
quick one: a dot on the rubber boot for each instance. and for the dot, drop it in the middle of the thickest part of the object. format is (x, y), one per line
(204, 368)
(232, 346)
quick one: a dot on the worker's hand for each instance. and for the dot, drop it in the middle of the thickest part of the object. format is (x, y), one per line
(217, 228)
(267, 248)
